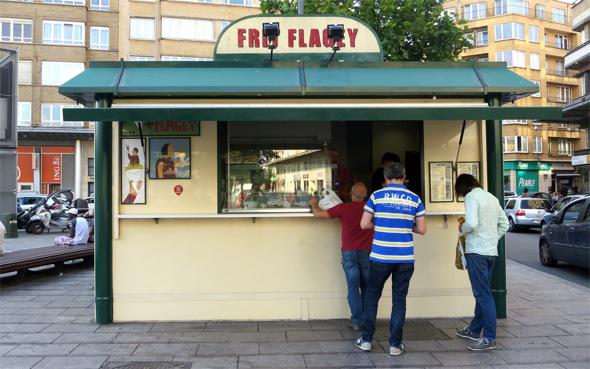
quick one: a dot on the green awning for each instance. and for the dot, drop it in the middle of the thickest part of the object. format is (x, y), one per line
(294, 79)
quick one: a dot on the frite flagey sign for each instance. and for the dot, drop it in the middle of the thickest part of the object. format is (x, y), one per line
(298, 35)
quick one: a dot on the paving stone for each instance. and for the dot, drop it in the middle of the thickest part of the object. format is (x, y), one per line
(582, 318)
(144, 358)
(228, 349)
(12, 318)
(50, 319)
(105, 349)
(205, 337)
(407, 359)
(453, 345)
(576, 365)
(576, 354)
(575, 329)
(173, 327)
(530, 356)
(214, 363)
(29, 337)
(23, 304)
(18, 362)
(257, 337)
(448, 323)
(125, 328)
(39, 311)
(73, 362)
(231, 326)
(327, 325)
(338, 360)
(290, 325)
(85, 320)
(573, 341)
(529, 343)
(141, 337)
(6, 348)
(22, 328)
(468, 358)
(71, 328)
(314, 336)
(537, 331)
(271, 361)
(417, 346)
(532, 320)
(268, 348)
(343, 346)
(86, 338)
(186, 349)
(42, 349)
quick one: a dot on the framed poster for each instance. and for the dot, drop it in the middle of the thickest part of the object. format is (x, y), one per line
(467, 167)
(441, 181)
(133, 168)
(170, 158)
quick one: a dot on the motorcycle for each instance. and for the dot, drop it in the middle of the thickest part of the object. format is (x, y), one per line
(48, 214)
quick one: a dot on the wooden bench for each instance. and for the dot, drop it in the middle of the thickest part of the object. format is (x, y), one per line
(22, 260)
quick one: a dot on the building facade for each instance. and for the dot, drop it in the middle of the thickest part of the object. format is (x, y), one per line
(533, 39)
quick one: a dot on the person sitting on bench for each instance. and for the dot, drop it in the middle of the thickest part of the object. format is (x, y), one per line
(79, 231)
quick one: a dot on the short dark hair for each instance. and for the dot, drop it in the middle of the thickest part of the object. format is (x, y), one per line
(390, 157)
(465, 183)
(394, 170)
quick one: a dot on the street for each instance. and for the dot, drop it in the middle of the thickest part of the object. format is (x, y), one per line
(523, 247)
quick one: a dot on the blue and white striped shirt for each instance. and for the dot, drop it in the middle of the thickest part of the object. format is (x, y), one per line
(394, 209)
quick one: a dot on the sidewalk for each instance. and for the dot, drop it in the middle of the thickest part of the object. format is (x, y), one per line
(48, 324)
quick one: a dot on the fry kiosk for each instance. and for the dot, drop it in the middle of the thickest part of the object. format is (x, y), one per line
(204, 169)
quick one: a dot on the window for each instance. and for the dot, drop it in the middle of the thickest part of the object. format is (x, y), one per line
(561, 42)
(56, 73)
(142, 28)
(141, 58)
(537, 145)
(563, 94)
(223, 24)
(237, 2)
(559, 67)
(571, 214)
(510, 7)
(25, 72)
(63, 33)
(513, 58)
(17, 30)
(182, 58)
(90, 188)
(90, 167)
(52, 116)
(66, 2)
(506, 31)
(99, 38)
(535, 62)
(481, 37)
(510, 204)
(534, 34)
(565, 147)
(540, 11)
(187, 29)
(24, 114)
(538, 94)
(474, 11)
(558, 15)
(516, 144)
(102, 5)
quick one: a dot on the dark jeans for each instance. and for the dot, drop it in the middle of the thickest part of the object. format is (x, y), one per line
(401, 273)
(356, 271)
(479, 268)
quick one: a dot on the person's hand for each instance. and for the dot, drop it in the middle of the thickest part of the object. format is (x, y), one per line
(314, 201)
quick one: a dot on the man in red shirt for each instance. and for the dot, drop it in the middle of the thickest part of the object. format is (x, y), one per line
(356, 247)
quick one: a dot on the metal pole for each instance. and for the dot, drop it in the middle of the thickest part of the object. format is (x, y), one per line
(103, 269)
(300, 4)
(495, 174)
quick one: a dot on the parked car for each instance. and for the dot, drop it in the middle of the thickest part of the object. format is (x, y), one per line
(558, 206)
(509, 194)
(525, 212)
(543, 195)
(566, 237)
(27, 201)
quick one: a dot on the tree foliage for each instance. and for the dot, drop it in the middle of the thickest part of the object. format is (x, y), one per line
(410, 30)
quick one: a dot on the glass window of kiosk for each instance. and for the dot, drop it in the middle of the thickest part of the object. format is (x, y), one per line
(277, 167)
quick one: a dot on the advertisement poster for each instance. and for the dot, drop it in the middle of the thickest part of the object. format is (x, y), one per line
(441, 181)
(467, 167)
(132, 172)
(170, 158)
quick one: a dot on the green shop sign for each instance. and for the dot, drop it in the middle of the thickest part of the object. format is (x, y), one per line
(161, 128)
(527, 165)
(527, 179)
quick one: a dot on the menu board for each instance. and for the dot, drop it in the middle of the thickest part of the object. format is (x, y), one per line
(441, 181)
(468, 167)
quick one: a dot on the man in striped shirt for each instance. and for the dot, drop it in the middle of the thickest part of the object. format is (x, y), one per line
(395, 213)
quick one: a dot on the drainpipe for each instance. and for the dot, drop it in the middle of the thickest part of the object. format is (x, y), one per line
(495, 173)
(300, 4)
(103, 268)
(78, 170)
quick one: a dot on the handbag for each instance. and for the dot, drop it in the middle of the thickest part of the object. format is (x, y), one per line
(460, 261)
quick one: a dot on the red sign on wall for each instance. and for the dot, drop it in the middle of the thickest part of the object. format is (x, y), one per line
(51, 168)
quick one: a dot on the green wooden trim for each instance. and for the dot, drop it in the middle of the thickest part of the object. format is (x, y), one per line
(310, 114)
(307, 57)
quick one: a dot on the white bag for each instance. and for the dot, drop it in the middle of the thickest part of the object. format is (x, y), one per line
(328, 199)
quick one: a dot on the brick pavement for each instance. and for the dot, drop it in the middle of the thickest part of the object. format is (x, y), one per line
(47, 323)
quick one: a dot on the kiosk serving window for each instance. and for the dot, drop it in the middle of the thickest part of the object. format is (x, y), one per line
(277, 167)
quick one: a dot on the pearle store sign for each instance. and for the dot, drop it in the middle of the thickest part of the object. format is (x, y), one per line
(298, 35)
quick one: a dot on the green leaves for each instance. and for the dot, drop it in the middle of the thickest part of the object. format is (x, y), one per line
(410, 30)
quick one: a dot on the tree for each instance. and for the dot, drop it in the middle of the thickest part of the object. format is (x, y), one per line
(410, 30)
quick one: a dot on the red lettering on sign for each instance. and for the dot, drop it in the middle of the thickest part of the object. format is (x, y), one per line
(291, 37)
(314, 38)
(241, 37)
(352, 32)
(302, 39)
(253, 38)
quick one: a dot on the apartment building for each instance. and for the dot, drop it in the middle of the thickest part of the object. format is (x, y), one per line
(174, 30)
(532, 37)
(55, 40)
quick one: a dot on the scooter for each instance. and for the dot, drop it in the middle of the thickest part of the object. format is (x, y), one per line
(48, 214)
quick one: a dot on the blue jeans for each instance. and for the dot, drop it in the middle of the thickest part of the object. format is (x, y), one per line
(356, 271)
(401, 273)
(479, 268)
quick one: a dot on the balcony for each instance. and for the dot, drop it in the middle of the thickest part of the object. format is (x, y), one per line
(558, 133)
(561, 73)
(579, 56)
(514, 10)
(558, 99)
(559, 45)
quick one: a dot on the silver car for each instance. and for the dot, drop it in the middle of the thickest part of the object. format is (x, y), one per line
(526, 212)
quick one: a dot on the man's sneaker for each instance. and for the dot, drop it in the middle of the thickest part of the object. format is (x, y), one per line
(396, 351)
(466, 333)
(482, 345)
(363, 345)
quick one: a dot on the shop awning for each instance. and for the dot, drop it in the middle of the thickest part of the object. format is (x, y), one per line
(294, 79)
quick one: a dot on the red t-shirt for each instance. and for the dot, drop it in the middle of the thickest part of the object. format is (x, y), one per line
(353, 237)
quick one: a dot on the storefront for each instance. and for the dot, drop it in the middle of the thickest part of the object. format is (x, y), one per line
(533, 175)
(204, 170)
(44, 169)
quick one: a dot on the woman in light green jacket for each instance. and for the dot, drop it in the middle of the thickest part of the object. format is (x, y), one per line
(485, 223)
